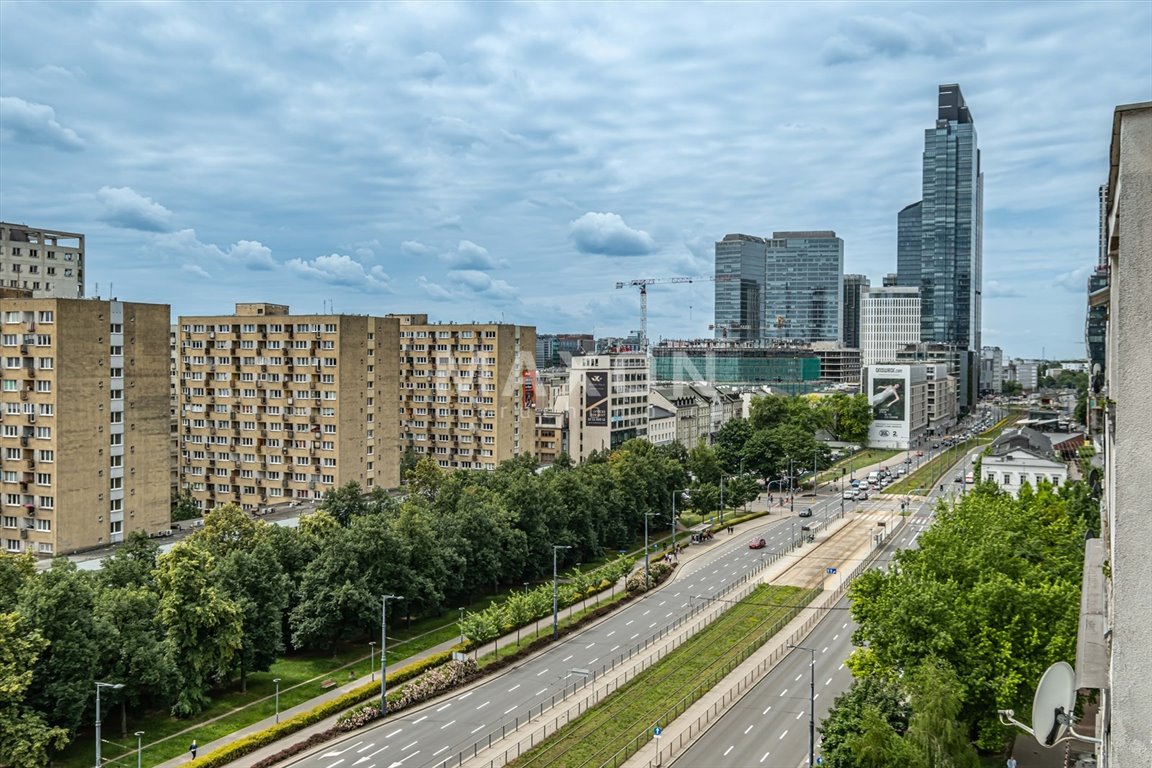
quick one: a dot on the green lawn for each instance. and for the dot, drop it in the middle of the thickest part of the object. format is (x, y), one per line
(681, 676)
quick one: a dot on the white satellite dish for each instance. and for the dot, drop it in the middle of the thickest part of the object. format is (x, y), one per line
(1053, 703)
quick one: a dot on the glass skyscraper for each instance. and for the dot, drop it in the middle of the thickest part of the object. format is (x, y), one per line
(740, 297)
(854, 286)
(804, 287)
(947, 265)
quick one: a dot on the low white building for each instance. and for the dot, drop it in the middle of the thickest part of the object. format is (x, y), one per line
(607, 402)
(661, 426)
(1018, 466)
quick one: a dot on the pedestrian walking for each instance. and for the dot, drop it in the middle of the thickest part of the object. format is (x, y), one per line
(193, 749)
(1011, 762)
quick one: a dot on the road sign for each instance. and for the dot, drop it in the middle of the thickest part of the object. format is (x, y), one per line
(657, 731)
(831, 570)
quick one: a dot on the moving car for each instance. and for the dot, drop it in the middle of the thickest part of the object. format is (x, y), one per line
(756, 544)
(849, 494)
(861, 495)
(805, 513)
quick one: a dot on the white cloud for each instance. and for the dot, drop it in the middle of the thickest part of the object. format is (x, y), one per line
(995, 289)
(196, 269)
(1074, 281)
(185, 245)
(894, 36)
(27, 122)
(469, 255)
(415, 248)
(338, 269)
(127, 208)
(607, 234)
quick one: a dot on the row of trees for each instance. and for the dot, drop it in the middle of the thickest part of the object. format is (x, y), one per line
(231, 597)
(961, 627)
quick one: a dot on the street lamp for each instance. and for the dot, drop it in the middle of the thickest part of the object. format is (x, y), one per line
(811, 703)
(277, 681)
(646, 516)
(675, 552)
(139, 749)
(372, 661)
(99, 685)
(461, 625)
(384, 651)
(556, 583)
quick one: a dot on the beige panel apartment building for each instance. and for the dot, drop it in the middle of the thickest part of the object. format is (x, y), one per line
(467, 391)
(48, 263)
(275, 407)
(85, 422)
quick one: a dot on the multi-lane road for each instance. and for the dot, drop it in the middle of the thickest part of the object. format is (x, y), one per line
(769, 726)
(445, 732)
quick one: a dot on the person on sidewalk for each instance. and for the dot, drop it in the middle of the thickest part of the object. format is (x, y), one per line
(193, 749)
(1011, 762)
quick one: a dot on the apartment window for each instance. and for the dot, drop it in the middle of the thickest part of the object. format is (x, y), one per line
(116, 328)
(116, 394)
(45, 316)
(10, 521)
(48, 456)
(43, 478)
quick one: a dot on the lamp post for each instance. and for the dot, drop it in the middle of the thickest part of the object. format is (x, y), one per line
(791, 485)
(372, 661)
(139, 749)
(811, 703)
(646, 516)
(556, 582)
(461, 625)
(99, 685)
(384, 651)
(675, 552)
(277, 681)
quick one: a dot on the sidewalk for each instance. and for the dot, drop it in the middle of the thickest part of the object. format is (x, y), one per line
(760, 504)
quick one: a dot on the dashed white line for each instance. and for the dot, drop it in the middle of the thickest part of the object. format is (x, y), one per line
(450, 722)
(477, 728)
(542, 690)
(729, 750)
(441, 709)
(439, 751)
(784, 734)
(765, 756)
(567, 657)
(422, 719)
(748, 729)
(409, 746)
(766, 711)
(509, 710)
(541, 672)
(513, 687)
(484, 705)
(390, 735)
(463, 696)
(783, 692)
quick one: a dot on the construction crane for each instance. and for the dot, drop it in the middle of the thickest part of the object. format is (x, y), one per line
(644, 282)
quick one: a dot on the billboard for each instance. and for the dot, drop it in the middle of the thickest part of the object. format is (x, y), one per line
(888, 399)
(528, 389)
(596, 398)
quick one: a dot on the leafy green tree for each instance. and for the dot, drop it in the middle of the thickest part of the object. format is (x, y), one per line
(227, 528)
(768, 412)
(203, 627)
(846, 721)
(703, 464)
(345, 502)
(424, 479)
(132, 647)
(253, 578)
(59, 603)
(408, 461)
(877, 745)
(848, 417)
(130, 564)
(26, 739)
(183, 506)
(1011, 388)
(935, 730)
(15, 571)
(730, 440)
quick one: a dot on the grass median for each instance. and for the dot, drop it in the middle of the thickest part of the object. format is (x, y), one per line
(677, 680)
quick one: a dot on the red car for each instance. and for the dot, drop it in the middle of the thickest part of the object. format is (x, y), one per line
(919, 453)
(756, 544)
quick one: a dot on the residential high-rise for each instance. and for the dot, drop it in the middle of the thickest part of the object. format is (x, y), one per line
(949, 260)
(276, 407)
(739, 308)
(889, 321)
(991, 369)
(467, 391)
(804, 286)
(854, 286)
(85, 422)
(46, 262)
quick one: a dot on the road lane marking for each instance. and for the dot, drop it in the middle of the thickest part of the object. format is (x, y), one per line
(409, 746)
(634, 636)
(541, 672)
(783, 692)
(542, 690)
(799, 676)
(484, 705)
(441, 709)
(439, 751)
(566, 658)
(610, 633)
(728, 750)
(466, 695)
(766, 711)
(390, 735)
(748, 729)
(509, 710)
(614, 648)
(450, 722)
(477, 728)
(589, 645)
(513, 687)
(828, 681)
(765, 756)
(784, 734)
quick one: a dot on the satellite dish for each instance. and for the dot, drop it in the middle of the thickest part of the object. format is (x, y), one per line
(1052, 705)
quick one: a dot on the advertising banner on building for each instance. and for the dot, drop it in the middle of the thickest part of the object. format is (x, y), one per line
(596, 398)
(528, 389)
(888, 399)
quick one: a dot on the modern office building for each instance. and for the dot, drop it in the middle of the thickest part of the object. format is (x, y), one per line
(838, 364)
(854, 287)
(85, 422)
(1115, 632)
(940, 392)
(794, 369)
(467, 391)
(46, 262)
(949, 261)
(804, 287)
(1024, 372)
(889, 321)
(276, 407)
(607, 402)
(739, 310)
(991, 369)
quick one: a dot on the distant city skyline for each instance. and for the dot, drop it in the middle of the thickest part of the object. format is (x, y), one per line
(512, 161)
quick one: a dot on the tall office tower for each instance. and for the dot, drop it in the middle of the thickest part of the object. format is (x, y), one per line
(740, 297)
(951, 215)
(854, 286)
(276, 407)
(467, 391)
(85, 422)
(889, 321)
(909, 244)
(50, 264)
(804, 286)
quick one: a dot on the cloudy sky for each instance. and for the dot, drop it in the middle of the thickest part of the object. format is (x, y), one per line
(479, 161)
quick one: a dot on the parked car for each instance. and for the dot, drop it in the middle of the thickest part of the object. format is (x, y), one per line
(757, 544)
(849, 494)
(806, 513)
(855, 483)
(919, 453)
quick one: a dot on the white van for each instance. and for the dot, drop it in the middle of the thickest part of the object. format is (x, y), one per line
(874, 477)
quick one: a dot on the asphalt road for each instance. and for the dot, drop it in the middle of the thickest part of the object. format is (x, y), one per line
(436, 735)
(768, 727)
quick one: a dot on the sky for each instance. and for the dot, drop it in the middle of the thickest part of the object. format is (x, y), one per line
(512, 161)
